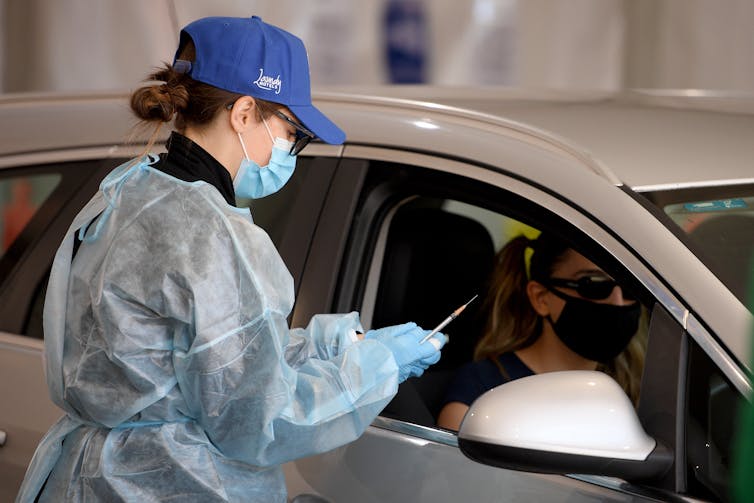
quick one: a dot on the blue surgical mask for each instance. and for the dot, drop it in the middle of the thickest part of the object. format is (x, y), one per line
(253, 181)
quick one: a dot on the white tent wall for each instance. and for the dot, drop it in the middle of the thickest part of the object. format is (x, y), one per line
(561, 44)
(691, 44)
(83, 44)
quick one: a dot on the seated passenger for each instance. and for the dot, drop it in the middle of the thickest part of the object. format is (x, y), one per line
(563, 313)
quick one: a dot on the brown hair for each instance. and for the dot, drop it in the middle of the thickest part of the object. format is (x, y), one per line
(187, 100)
(512, 323)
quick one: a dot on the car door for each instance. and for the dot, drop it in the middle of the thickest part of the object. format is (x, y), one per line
(360, 262)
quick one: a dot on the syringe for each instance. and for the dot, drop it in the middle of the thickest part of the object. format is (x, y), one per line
(447, 320)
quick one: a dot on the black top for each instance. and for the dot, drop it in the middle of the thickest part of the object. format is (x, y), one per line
(474, 378)
(189, 162)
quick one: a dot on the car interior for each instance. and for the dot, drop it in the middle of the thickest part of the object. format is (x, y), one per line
(435, 261)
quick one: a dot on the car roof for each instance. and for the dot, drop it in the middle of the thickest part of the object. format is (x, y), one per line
(39, 122)
(647, 140)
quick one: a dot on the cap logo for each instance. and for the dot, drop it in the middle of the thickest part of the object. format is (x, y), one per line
(268, 83)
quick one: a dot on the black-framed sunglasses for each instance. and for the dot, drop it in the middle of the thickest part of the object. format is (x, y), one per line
(589, 287)
(303, 135)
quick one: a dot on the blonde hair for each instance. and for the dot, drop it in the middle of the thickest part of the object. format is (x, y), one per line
(512, 323)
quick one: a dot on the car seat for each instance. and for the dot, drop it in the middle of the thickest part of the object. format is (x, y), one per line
(434, 262)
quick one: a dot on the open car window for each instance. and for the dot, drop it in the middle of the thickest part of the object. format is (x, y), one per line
(435, 246)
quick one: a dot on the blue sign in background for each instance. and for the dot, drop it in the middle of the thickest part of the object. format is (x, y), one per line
(405, 28)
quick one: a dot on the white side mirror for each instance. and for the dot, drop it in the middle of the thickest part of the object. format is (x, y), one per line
(562, 422)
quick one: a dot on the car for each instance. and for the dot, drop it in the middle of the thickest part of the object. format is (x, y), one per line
(401, 224)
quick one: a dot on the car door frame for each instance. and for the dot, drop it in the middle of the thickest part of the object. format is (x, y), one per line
(336, 292)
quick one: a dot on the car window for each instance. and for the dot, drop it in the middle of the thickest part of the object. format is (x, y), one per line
(20, 198)
(434, 250)
(712, 407)
(279, 214)
(719, 223)
(438, 254)
(46, 197)
(290, 215)
(273, 213)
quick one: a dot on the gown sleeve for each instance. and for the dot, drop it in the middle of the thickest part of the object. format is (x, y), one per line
(265, 394)
(326, 336)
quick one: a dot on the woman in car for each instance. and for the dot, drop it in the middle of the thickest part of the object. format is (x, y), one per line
(549, 308)
(166, 334)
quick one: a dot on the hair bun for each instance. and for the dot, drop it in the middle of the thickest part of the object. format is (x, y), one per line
(160, 102)
(151, 103)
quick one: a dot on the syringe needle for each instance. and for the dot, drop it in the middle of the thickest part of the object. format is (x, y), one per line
(447, 320)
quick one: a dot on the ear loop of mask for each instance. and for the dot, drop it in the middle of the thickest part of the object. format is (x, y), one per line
(268, 130)
(243, 147)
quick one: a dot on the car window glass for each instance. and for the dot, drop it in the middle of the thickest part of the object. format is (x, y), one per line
(719, 222)
(64, 188)
(273, 213)
(712, 408)
(20, 198)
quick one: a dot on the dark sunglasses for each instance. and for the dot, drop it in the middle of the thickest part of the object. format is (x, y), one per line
(303, 135)
(589, 287)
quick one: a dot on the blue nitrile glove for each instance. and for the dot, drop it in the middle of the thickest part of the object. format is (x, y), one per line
(404, 341)
(439, 340)
(417, 368)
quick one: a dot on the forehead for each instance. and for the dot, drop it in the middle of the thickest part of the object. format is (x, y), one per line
(573, 263)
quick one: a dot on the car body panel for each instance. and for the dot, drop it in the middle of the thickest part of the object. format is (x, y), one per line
(437, 472)
(100, 120)
(647, 138)
(26, 407)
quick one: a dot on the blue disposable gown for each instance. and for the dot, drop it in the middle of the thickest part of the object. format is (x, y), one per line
(168, 348)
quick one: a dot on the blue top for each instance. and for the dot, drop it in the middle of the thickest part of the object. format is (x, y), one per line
(475, 378)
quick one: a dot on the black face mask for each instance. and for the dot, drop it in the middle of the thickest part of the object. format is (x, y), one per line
(597, 332)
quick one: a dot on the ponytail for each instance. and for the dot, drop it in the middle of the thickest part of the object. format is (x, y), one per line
(511, 321)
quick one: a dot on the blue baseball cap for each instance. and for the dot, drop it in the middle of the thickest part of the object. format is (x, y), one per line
(250, 57)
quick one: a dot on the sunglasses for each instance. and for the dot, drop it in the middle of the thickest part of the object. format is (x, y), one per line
(303, 135)
(590, 287)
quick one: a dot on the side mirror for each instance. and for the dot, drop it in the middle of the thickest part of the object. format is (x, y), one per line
(562, 422)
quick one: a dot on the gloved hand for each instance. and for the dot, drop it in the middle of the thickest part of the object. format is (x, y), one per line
(404, 341)
(417, 368)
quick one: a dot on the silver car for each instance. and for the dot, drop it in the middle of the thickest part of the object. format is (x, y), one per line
(401, 223)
